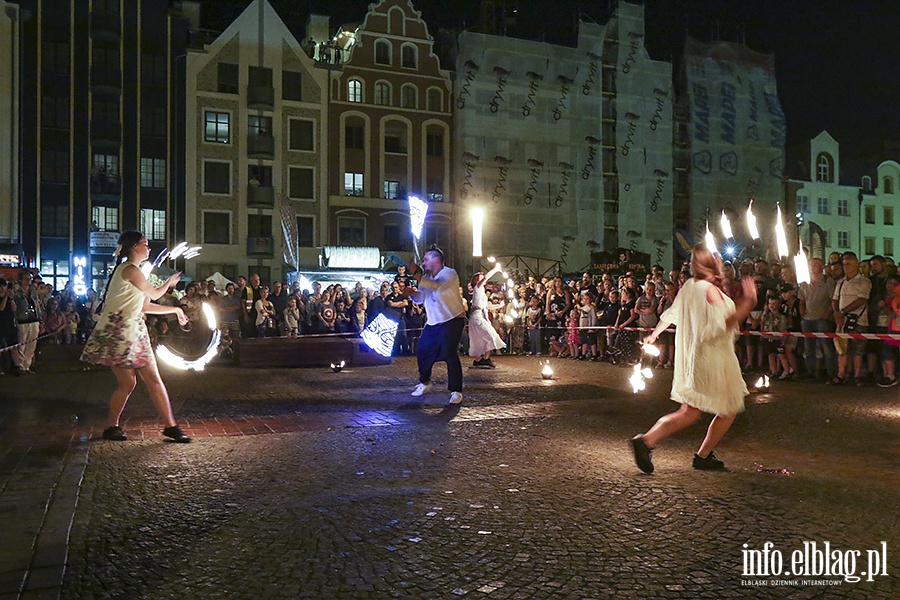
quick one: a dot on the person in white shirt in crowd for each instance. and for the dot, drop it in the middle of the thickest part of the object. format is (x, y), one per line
(438, 289)
(851, 296)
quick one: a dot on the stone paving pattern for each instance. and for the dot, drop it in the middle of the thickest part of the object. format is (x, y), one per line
(310, 484)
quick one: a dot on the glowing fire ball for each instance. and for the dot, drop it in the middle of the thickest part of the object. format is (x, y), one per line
(379, 335)
(547, 372)
(337, 368)
(196, 364)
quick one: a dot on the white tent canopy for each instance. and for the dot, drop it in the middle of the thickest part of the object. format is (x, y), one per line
(221, 280)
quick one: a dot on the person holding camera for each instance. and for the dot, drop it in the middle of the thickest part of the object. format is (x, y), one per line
(851, 297)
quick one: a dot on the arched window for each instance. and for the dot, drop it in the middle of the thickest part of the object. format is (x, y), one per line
(825, 168)
(435, 100)
(382, 52)
(354, 90)
(409, 97)
(383, 93)
(888, 185)
(867, 183)
(395, 21)
(409, 56)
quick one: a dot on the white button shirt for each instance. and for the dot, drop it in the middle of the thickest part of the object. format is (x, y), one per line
(441, 297)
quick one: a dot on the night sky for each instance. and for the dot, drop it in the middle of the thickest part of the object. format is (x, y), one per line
(837, 60)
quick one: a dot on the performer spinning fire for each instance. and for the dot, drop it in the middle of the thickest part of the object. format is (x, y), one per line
(483, 338)
(438, 289)
(707, 373)
(120, 339)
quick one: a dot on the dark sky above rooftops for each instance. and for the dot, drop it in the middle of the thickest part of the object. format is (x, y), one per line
(837, 61)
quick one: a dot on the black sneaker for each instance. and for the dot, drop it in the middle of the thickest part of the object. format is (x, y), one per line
(710, 463)
(176, 434)
(642, 454)
(114, 434)
(888, 382)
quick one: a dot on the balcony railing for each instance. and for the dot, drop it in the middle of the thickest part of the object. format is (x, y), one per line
(105, 184)
(260, 246)
(260, 146)
(260, 195)
(260, 97)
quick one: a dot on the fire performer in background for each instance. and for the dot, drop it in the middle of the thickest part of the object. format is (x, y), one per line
(483, 338)
(438, 289)
(120, 339)
(707, 374)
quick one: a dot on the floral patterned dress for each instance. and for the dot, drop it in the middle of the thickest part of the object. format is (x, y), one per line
(120, 338)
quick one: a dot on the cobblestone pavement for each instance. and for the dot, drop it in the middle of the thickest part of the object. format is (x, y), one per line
(310, 484)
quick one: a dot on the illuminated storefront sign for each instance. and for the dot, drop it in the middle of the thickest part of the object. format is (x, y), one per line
(79, 277)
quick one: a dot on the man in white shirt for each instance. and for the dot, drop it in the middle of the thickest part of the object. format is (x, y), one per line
(438, 289)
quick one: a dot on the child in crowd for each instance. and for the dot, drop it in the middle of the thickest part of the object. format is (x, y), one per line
(790, 308)
(292, 318)
(609, 312)
(72, 321)
(533, 315)
(573, 337)
(772, 320)
(587, 322)
(666, 338)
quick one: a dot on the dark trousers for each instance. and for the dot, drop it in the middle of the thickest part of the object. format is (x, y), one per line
(441, 342)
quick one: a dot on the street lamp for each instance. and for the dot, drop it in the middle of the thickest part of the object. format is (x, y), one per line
(477, 214)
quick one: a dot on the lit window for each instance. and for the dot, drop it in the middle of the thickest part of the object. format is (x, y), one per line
(105, 218)
(217, 127)
(391, 189)
(354, 90)
(353, 184)
(153, 223)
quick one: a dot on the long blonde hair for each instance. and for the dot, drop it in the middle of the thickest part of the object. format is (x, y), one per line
(707, 266)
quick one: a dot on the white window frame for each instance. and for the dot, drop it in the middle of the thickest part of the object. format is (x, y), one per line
(151, 231)
(403, 90)
(101, 218)
(843, 207)
(379, 86)
(802, 204)
(869, 245)
(230, 114)
(869, 208)
(230, 214)
(157, 173)
(440, 94)
(821, 202)
(294, 167)
(843, 239)
(314, 134)
(362, 183)
(388, 184)
(415, 55)
(381, 42)
(356, 96)
(230, 178)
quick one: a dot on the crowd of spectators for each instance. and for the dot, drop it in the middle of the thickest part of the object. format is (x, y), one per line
(592, 317)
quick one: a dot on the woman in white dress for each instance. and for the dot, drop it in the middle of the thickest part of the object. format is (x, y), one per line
(707, 374)
(120, 339)
(483, 338)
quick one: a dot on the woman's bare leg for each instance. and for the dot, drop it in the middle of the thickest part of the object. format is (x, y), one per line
(717, 430)
(127, 381)
(158, 393)
(671, 423)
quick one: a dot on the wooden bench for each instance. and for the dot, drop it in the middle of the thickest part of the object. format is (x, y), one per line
(305, 352)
